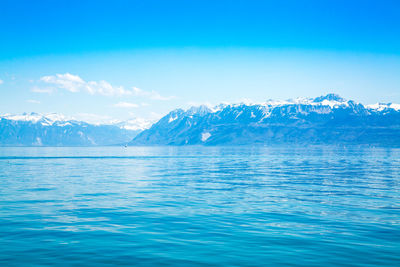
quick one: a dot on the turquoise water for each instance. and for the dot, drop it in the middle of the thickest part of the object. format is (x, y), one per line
(248, 206)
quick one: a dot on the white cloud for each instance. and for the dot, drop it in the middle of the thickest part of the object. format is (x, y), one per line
(45, 90)
(151, 94)
(74, 84)
(33, 101)
(1, 81)
(126, 105)
(66, 81)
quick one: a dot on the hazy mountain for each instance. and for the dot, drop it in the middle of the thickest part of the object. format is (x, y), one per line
(56, 130)
(327, 119)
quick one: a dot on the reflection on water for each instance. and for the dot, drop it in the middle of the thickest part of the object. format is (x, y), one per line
(200, 205)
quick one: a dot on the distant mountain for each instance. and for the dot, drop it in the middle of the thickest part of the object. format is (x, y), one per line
(56, 130)
(327, 119)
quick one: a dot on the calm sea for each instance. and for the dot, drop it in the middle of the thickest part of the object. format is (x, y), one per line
(188, 206)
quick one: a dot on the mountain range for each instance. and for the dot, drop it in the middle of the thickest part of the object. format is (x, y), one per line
(328, 119)
(35, 129)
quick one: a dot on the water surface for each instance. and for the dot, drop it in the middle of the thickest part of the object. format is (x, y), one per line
(248, 206)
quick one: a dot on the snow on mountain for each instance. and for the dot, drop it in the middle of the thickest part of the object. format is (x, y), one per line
(59, 130)
(383, 106)
(329, 97)
(33, 117)
(325, 119)
(134, 124)
(331, 100)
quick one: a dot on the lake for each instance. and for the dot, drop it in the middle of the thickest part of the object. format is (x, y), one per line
(190, 206)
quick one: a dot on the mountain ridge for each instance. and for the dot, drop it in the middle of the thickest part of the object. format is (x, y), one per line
(34, 129)
(328, 119)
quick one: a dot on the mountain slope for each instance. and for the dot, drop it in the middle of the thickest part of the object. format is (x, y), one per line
(56, 130)
(327, 119)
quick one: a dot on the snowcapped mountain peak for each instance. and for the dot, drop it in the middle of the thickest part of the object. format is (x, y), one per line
(56, 119)
(329, 100)
(219, 107)
(135, 124)
(33, 117)
(332, 100)
(301, 101)
(273, 103)
(35, 129)
(326, 119)
(329, 97)
(384, 106)
(200, 110)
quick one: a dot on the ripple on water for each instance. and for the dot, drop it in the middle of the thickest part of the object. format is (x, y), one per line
(314, 206)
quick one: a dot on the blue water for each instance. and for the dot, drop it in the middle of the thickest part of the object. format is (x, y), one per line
(185, 206)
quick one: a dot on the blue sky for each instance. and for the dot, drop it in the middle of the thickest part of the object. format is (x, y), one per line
(123, 59)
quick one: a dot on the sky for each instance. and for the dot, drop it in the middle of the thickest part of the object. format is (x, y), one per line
(103, 60)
